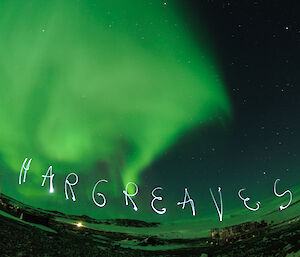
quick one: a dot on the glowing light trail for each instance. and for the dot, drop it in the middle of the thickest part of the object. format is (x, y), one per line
(282, 207)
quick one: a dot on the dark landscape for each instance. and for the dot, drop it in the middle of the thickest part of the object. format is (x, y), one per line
(26, 231)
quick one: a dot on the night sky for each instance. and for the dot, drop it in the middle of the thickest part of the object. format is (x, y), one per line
(176, 94)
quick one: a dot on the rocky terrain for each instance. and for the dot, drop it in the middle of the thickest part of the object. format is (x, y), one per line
(47, 236)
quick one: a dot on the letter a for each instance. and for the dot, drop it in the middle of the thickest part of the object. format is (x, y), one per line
(51, 179)
(185, 201)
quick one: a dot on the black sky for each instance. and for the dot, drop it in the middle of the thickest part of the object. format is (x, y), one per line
(257, 45)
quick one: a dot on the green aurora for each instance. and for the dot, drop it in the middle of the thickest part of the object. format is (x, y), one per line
(109, 82)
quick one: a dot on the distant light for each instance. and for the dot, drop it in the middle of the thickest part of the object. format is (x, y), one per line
(286, 27)
(79, 224)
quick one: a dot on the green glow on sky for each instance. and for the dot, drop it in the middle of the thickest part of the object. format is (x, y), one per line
(116, 82)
